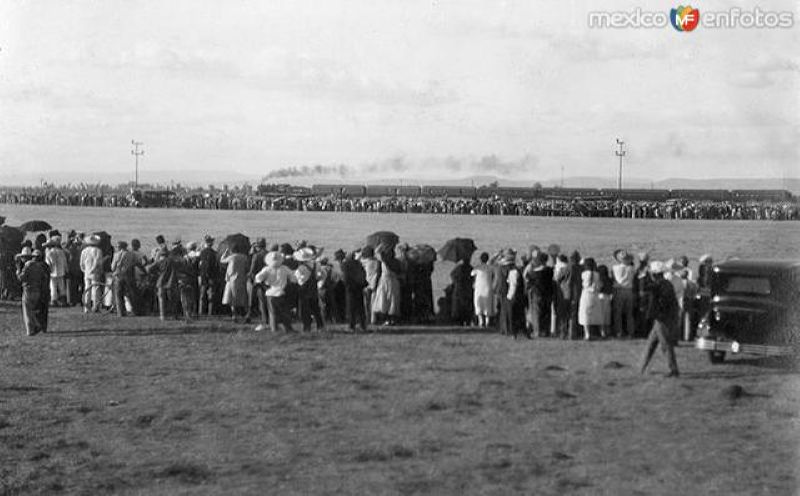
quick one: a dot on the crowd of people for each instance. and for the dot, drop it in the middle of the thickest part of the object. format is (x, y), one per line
(540, 293)
(244, 200)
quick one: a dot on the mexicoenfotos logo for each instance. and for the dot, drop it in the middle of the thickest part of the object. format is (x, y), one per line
(684, 18)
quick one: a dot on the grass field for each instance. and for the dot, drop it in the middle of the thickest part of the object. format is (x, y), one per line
(135, 406)
(592, 237)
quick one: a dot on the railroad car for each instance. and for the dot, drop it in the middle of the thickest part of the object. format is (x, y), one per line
(449, 191)
(392, 190)
(700, 194)
(761, 195)
(351, 190)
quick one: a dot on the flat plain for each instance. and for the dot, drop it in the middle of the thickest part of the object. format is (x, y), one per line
(136, 406)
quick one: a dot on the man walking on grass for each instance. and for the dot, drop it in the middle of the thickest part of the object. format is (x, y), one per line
(35, 278)
(664, 314)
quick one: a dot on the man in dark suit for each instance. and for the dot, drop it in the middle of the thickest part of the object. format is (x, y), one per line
(355, 280)
(35, 278)
(257, 298)
(209, 272)
(663, 312)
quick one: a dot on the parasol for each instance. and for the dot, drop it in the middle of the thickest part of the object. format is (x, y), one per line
(235, 243)
(11, 240)
(423, 254)
(35, 226)
(458, 249)
(383, 237)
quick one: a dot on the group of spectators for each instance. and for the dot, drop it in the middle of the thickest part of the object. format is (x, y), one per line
(270, 285)
(646, 209)
(551, 294)
(539, 294)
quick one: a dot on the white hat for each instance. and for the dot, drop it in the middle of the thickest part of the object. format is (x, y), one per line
(304, 255)
(705, 257)
(273, 259)
(657, 267)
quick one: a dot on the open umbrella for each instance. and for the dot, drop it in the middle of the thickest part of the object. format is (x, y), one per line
(10, 240)
(235, 243)
(383, 237)
(458, 249)
(35, 226)
(423, 253)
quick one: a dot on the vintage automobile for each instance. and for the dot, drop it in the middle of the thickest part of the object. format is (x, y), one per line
(753, 309)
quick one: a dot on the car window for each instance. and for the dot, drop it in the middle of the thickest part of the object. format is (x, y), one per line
(747, 285)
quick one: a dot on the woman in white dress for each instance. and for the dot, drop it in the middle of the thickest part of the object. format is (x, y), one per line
(483, 295)
(386, 299)
(590, 313)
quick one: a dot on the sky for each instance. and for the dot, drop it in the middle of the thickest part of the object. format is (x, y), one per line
(378, 88)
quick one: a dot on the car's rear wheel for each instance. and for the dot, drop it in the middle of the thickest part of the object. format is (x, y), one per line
(716, 356)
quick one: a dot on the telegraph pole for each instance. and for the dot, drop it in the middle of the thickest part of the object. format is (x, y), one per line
(620, 153)
(136, 152)
(562, 176)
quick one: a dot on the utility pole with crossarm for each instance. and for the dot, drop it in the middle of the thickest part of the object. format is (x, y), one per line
(136, 153)
(620, 153)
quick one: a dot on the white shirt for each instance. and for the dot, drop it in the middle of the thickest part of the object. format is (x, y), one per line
(56, 258)
(513, 282)
(92, 261)
(623, 276)
(275, 279)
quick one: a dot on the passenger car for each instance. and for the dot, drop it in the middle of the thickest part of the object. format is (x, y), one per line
(753, 309)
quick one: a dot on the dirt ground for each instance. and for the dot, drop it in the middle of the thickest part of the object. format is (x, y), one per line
(136, 406)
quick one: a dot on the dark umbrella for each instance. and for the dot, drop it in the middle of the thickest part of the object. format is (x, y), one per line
(383, 237)
(458, 249)
(11, 240)
(424, 253)
(235, 243)
(35, 226)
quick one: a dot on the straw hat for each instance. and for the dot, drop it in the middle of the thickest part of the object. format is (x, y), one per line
(93, 240)
(304, 255)
(705, 258)
(54, 241)
(509, 257)
(25, 253)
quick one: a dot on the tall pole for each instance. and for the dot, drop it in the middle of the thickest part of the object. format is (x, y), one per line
(136, 153)
(562, 176)
(620, 153)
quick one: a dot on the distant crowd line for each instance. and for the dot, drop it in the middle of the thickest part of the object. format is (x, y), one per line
(645, 209)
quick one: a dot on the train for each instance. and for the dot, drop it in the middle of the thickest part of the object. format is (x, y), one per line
(541, 193)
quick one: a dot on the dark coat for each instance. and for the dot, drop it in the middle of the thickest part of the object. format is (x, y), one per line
(461, 308)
